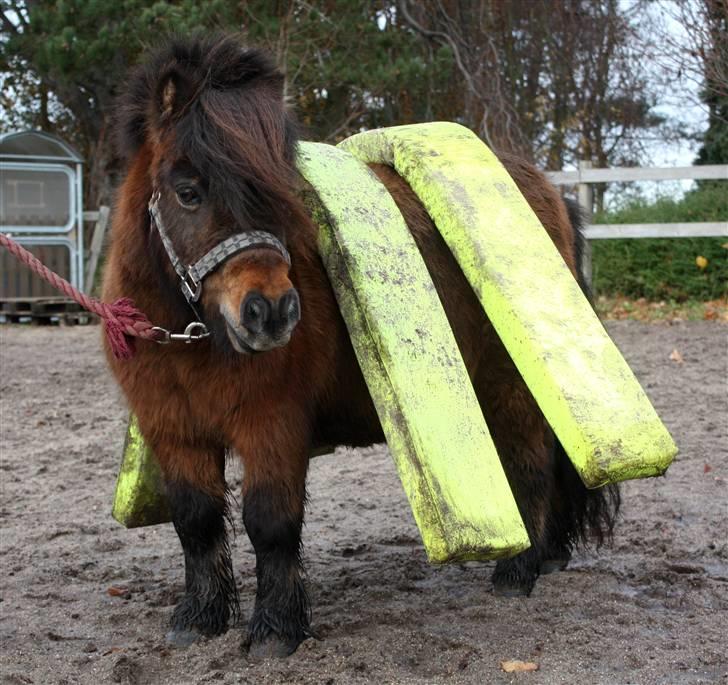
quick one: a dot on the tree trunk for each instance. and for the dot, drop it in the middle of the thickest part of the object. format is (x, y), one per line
(102, 169)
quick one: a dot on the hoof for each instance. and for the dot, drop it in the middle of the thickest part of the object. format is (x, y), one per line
(181, 638)
(553, 565)
(272, 647)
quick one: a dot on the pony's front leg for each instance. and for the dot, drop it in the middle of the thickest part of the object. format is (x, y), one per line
(274, 494)
(195, 485)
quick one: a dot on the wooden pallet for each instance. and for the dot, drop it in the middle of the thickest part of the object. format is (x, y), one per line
(44, 311)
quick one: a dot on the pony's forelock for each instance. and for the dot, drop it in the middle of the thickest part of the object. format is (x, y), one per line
(193, 66)
(221, 106)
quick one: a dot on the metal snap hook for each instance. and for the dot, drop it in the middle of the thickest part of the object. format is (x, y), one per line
(193, 332)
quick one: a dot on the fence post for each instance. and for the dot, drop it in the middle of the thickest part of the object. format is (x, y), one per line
(97, 242)
(586, 202)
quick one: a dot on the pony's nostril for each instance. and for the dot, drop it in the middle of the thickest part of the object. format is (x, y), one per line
(256, 312)
(289, 308)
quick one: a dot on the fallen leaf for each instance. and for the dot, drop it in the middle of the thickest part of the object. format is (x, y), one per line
(117, 591)
(518, 666)
(707, 468)
(701, 262)
(676, 356)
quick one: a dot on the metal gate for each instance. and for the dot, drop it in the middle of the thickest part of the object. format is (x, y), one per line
(41, 206)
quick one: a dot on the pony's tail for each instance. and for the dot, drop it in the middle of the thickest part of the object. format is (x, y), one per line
(587, 517)
(576, 218)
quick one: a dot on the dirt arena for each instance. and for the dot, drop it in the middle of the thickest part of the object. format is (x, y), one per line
(83, 600)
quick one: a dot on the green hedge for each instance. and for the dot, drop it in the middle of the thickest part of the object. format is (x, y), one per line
(665, 268)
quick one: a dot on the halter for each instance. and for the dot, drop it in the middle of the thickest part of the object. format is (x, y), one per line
(191, 276)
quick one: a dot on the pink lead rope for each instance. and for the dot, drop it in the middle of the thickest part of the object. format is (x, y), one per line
(122, 320)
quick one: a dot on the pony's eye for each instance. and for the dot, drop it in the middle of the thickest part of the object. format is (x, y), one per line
(188, 197)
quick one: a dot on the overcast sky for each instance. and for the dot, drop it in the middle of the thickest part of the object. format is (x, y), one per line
(680, 101)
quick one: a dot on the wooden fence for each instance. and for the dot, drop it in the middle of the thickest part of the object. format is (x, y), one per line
(585, 176)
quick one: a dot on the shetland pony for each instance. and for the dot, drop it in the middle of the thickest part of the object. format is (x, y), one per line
(204, 129)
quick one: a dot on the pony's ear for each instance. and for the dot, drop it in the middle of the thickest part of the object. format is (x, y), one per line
(174, 92)
(151, 103)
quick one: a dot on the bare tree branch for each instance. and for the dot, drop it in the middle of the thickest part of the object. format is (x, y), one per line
(445, 38)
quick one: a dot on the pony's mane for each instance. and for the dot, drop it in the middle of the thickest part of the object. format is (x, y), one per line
(221, 106)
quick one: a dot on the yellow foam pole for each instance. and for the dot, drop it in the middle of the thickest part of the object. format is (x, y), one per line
(434, 427)
(139, 498)
(578, 377)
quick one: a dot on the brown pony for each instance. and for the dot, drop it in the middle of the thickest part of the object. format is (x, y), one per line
(203, 127)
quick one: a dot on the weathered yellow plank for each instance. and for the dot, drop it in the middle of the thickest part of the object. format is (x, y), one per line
(434, 427)
(579, 379)
(139, 498)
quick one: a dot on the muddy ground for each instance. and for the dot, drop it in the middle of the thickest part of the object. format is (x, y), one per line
(653, 608)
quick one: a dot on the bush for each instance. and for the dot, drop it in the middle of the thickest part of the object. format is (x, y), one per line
(665, 268)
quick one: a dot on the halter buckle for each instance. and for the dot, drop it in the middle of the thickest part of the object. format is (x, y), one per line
(191, 287)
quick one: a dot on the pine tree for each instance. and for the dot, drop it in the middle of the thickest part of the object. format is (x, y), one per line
(714, 56)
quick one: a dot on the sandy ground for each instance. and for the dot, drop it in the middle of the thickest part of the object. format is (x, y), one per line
(653, 608)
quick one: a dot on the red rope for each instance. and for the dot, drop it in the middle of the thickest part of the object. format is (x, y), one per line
(122, 320)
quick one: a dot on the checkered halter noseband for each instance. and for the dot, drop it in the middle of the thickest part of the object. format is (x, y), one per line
(191, 277)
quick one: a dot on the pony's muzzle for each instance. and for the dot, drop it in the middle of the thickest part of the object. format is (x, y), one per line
(257, 299)
(269, 318)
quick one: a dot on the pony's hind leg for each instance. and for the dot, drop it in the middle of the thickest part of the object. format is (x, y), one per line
(196, 491)
(274, 494)
(524, 443)
(526, 461)
(563, 526)
(558, 510)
